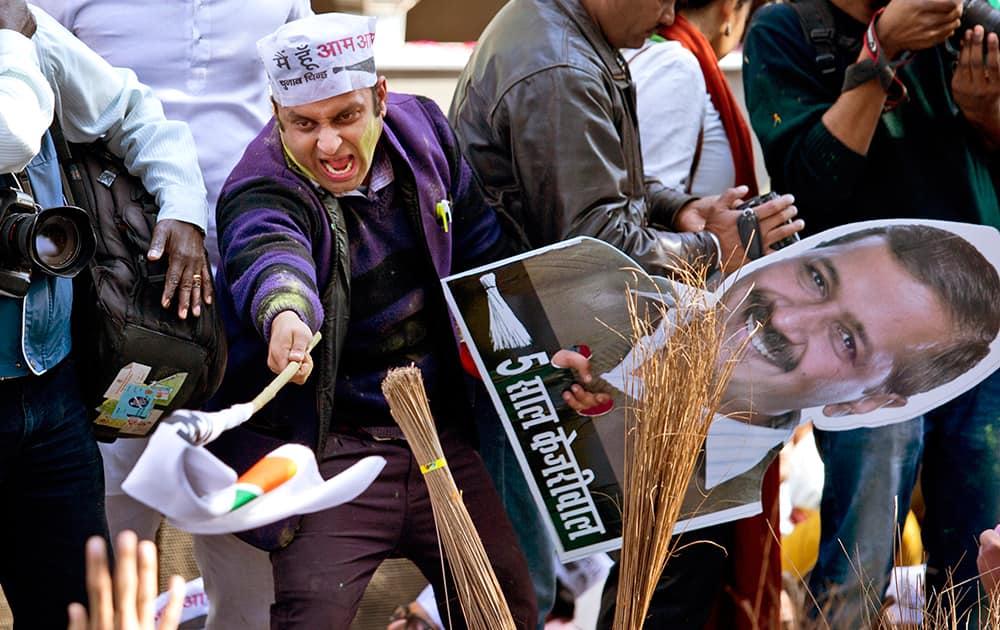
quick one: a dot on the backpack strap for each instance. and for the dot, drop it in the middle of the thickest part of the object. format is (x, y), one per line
(816, 20)
(818, 26)
(73, 189)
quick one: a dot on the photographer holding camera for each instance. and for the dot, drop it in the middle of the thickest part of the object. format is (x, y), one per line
(51, 480)
(865, 110)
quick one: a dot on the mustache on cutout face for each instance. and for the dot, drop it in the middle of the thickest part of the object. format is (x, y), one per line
(768, 341)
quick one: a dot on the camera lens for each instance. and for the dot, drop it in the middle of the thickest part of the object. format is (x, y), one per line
(59, 240)
(63, 241)
(984, 12)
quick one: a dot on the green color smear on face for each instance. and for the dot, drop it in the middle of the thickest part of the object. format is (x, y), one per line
(292, 162)
(369, 139)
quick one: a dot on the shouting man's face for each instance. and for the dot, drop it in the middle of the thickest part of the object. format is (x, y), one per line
(832, 322)
(333, 140)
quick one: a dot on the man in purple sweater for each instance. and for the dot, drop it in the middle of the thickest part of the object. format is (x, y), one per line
(341, 217)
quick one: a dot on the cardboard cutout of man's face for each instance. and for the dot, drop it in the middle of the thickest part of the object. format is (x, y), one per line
(830, 329)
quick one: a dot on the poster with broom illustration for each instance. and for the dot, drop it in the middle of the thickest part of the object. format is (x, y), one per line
(848, 328)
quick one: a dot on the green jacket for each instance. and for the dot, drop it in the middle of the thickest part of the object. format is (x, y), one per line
(925, 160)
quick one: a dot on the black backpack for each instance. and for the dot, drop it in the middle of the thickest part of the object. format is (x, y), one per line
(117, 315)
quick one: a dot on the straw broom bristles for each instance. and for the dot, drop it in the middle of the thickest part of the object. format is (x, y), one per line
(682, 387)
(478, 589)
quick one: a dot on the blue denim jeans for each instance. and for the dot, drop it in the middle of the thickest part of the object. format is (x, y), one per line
(502, 465)
(868, 470)
(51, 493)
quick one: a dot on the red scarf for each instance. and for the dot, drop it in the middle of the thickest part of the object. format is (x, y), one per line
(725, 103)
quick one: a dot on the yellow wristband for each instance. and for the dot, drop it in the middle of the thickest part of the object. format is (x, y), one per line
(434, 465)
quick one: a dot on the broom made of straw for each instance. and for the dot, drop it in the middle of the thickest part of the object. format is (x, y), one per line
(478, 589)
(677, 390)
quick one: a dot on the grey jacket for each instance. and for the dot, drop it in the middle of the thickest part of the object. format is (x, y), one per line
(545, 114)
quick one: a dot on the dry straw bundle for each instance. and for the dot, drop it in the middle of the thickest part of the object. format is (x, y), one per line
(677, 388)
(478, 589)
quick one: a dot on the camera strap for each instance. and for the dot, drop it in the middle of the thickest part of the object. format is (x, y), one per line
(18, 181)
(875, 65)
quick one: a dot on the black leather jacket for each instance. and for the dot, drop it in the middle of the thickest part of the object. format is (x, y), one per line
(545, 114)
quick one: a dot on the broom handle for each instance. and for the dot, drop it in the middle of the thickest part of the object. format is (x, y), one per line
(282, 379)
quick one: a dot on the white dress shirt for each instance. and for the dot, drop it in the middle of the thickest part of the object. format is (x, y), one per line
(673, 106)
(25, 102)
(94, 100)
(200, 58)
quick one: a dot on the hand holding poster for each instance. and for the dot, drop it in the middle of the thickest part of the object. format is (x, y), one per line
(863, 325)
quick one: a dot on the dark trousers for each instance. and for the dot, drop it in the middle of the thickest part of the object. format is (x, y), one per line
(870, 471)
(320, 577)
(51, 493)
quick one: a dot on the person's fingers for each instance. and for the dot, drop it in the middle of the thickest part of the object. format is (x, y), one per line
(776, 220)
(774, 207)
(158, 242)
(976, 54)
(989, 537)
(579, 399)
(952, 23)
(147, 587)
(297, 350)
(571, 360)
(277, 348)
(964, 57)
(207, 291)
(197, 284)
(305, 369)
(126, 580)
(77, 617)
(186, 286)
(782, 232)
(993, 59)
(157, 245)
(171, 616)
(733, 196)
(289, 340)
(99, 585)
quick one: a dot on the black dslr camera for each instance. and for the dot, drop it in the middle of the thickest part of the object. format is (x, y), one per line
(60, 241)
(984, 12)
(749, 227)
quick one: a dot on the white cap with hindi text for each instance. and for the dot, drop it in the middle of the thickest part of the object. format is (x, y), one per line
(318, 57)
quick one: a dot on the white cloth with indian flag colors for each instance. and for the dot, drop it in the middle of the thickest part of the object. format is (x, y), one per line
(200, 494)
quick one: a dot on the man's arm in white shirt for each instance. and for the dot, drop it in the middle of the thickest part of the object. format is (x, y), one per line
(95, 100)
(25, 101)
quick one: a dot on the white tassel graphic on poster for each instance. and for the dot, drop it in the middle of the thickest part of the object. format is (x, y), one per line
(506, 331)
